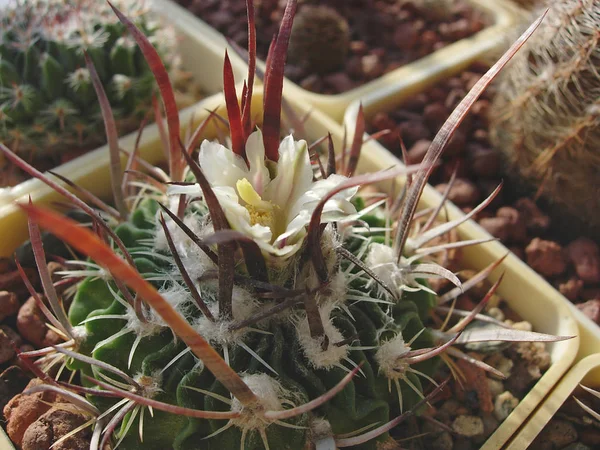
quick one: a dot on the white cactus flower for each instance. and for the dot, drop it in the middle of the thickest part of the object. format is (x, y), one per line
(271, 202)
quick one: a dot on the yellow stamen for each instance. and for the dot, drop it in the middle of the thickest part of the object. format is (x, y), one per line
(261, 211)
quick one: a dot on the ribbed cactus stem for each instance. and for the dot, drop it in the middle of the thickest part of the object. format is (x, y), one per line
(546, 114)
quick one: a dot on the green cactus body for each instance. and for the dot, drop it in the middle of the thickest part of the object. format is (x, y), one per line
(320, 39)
(47, 101)
(546, 113)
(276, 351)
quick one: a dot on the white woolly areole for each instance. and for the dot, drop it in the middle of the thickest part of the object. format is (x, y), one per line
(79, 333)
(176, 295)
(195, 261)
(390, 357)
(382, 260)
(320, 428)
(313, 350)
(307, 278)
(336, 290)
(150, 384)
(243, 306)
(271, 397)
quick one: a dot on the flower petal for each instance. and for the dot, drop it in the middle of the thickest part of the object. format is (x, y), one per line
(294, 174)
(220, 165)
(255, 152)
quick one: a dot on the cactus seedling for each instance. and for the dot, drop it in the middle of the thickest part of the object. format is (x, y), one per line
(547, 111)
(47, 100)
(320, 39)
(252, 300)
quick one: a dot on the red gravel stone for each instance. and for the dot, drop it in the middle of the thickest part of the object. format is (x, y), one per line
(585, 256)
(591, 308)
(546, 257)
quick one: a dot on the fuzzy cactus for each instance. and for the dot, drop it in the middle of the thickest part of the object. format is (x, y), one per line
(320, 39)
(546, 114)
(252, 299)
(47, 101)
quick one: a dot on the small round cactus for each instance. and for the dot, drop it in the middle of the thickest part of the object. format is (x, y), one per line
(47, 101)
(320, 39)
(546, 116)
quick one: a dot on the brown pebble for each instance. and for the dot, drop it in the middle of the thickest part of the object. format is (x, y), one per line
(457, 144)
(12, 282)
(12, 382)
(413, 131)
(416, 103)
(557, 434)
(434, 115)
(517, 229)
(405, 36)
(9, 340)
(591, 309)
(484, 161)
(590, 436)
(521, 379)
(383, 121)
(339, 82)
(571, 288)
(535, 220)
(9, 304)
(31, 323)
(371, 66)
(546, 257)
(590, 293)
(53, 425)
(585, 256)
(462, 193)
(499, 227)
(22, 410)
(417, 152)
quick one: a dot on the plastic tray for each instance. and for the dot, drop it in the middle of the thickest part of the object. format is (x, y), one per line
(586, 371)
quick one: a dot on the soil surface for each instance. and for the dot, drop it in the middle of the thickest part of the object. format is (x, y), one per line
(526, 225)
(384, 34)
(571, 428)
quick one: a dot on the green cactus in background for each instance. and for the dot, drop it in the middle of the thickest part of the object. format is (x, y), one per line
(320, 39)
(47, 101)
(251, 299)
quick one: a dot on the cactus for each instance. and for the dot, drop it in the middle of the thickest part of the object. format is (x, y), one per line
(254, 300)
(47, 100)
(320, 39)
(546, 114)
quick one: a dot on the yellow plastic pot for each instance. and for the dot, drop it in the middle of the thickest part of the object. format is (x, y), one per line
(534, 301)
(503, 15)
(586, 371)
